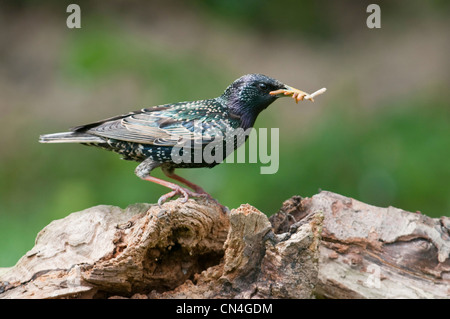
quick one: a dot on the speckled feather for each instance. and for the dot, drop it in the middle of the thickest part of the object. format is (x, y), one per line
(153, 132)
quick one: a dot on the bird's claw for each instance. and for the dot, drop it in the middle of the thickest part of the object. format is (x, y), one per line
(186, 194)
(182, 192)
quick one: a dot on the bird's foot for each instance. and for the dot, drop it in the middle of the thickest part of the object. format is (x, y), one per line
(185, 193)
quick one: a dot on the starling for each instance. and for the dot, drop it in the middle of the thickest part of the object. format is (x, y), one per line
(150, 135)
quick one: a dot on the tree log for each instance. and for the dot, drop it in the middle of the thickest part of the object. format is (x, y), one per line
(326, 246)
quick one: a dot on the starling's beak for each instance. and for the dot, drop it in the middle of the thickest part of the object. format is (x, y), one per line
(296, 94)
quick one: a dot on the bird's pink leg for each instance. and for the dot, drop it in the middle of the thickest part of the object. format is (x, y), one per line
(195, 187)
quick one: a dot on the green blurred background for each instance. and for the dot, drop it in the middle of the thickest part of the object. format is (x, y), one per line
(381, 133)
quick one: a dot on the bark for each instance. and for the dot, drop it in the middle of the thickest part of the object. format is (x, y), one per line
(325, 246)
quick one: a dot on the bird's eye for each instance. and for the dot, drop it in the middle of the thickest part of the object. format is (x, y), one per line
(262, 86)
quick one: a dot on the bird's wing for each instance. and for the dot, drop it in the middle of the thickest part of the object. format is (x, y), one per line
(198, 122)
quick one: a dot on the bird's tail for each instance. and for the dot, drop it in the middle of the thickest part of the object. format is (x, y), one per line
(70, 137)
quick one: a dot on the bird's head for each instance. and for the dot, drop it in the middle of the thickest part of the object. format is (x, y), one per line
(252, 93)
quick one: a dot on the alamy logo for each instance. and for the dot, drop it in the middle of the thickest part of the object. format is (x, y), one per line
(214, 146)
(74, 19)
(374, 19)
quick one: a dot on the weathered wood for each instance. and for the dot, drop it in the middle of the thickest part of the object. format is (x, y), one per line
(257, 263)
(324, 246)
(105, 250)
(373, 252)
